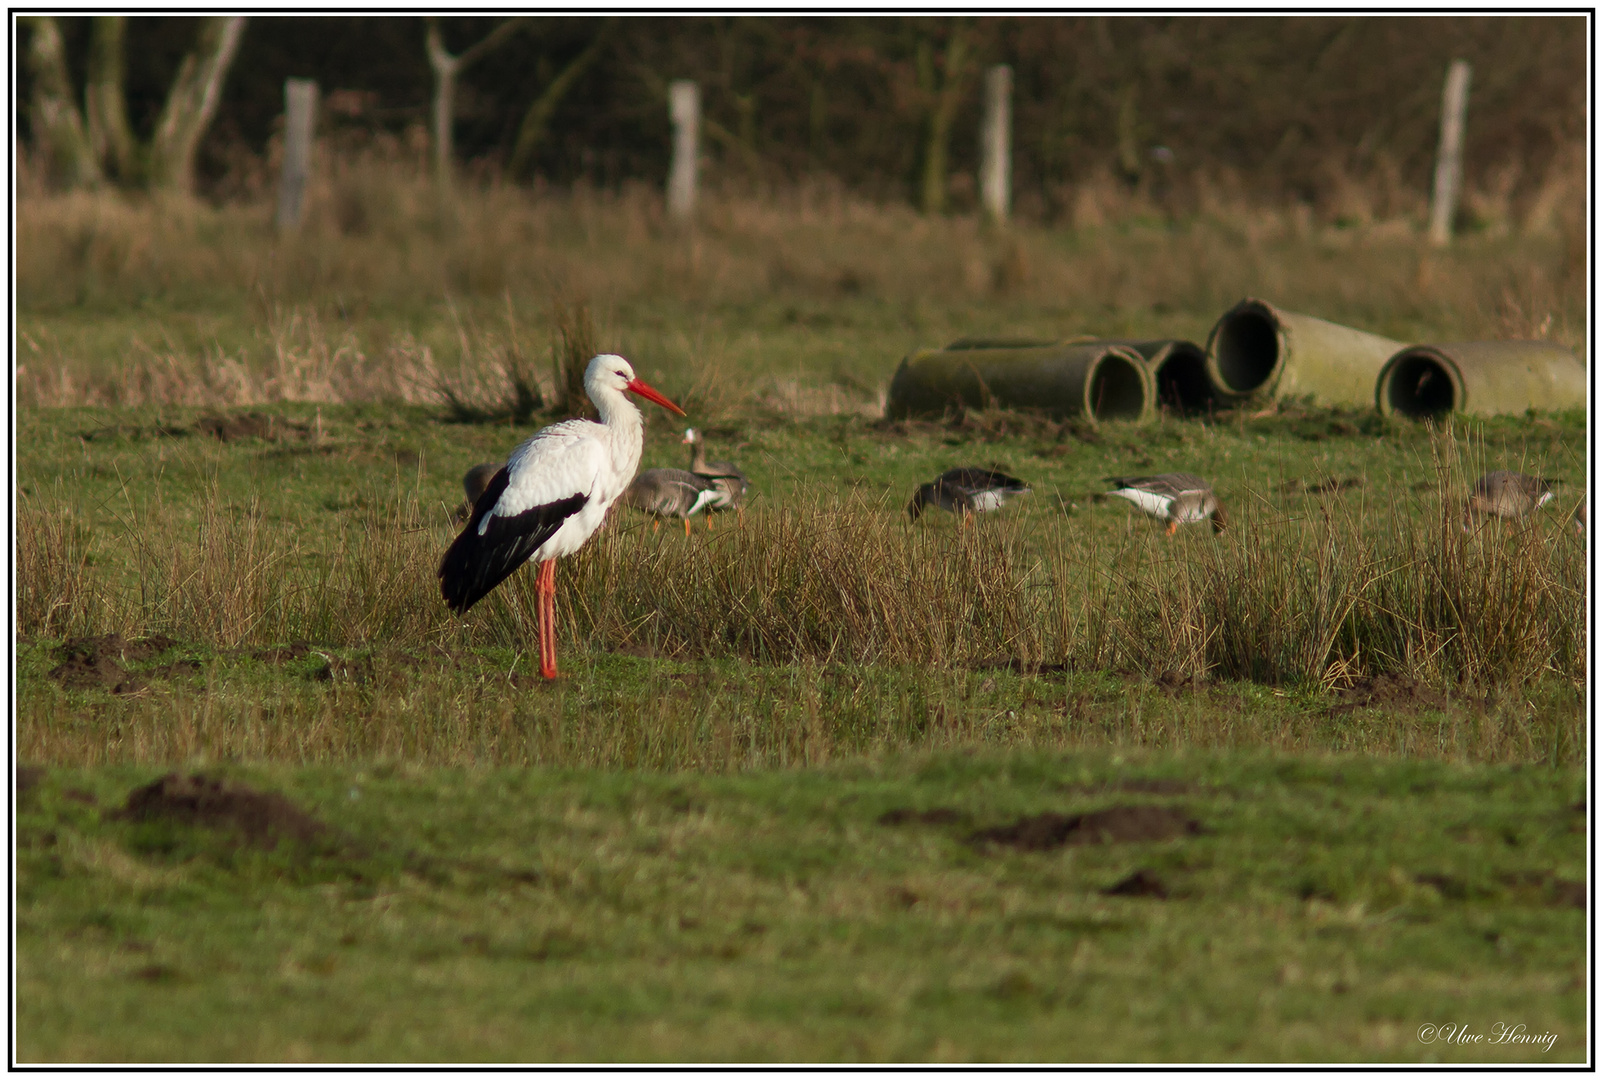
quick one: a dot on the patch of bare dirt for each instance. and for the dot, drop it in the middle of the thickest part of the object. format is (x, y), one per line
(940, 815)
(28, 777)
(1138, 785)
(282, 654)
(1140, 883)
(1329, 485)
(1544, 886)
(1174, 681)
(97, 663)
(1387, 692)
(1023, 667)
(1115, 825)
(251, 425)
(262, 817)
(96, 671)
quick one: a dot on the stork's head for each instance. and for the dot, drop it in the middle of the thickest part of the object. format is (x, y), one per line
(610, 372)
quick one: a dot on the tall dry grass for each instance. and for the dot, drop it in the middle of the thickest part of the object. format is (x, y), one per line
(477, 295)
(1356, 588)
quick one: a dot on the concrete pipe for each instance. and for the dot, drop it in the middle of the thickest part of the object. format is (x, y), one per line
(1480, 377)
(1258, 351)
(1179, 371)
(1096, 380)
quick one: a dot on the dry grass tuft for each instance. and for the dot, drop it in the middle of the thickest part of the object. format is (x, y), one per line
(1350, 590)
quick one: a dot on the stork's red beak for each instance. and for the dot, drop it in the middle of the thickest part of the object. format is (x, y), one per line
(635, 386)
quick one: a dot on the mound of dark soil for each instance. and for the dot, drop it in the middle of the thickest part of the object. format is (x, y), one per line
(96, 663)
(1388, 692)
(262, 817)
(96, 671)
(1139, 786)
(1140, 883)
(1175, 681)
(940, 815)
(252, 425)
(283, 654)
(1115, 825)
(28, 777)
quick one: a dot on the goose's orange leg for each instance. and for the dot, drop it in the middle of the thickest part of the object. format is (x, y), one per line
(1173, 525)
(546, 590)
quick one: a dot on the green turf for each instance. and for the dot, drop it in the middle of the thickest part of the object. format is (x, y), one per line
(1330, 908)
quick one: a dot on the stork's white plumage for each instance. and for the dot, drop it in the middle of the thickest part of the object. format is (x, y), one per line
(550, 497)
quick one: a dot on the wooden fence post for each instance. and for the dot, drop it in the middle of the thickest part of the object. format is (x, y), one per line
(1450, 154)
(300, 122)
(996, 143)
(684, 109)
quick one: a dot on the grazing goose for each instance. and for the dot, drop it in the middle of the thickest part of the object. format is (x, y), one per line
(672, 493)
(730, 480)
(1580, 519)
(551, 495)
(1178, 498)
(1507, 494)
(474, 483)
(966, 491)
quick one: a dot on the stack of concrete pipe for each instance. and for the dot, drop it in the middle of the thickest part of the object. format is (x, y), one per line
(1256, 353)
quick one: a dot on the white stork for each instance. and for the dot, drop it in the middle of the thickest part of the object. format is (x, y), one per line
(553, 493)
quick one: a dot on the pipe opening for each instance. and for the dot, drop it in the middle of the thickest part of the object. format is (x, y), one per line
(1419, 385)
(1117, 391)
(1246, 350)
(1182, 382)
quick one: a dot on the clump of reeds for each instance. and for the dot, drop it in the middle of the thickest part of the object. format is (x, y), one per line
(58, 591)
(1342, 590)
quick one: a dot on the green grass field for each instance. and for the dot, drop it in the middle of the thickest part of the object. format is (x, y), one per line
(233, 495)
(1328, 908)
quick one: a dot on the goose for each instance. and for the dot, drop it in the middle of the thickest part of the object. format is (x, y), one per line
(474, 482)
(1177, 498)
(550, 497)
(730, 480)
(672, 493)
(1508, 494)
(966, 491)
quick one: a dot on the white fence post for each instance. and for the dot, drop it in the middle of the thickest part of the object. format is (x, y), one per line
(300, 120)
(684, 109)
(1450, 154)
(996, 143)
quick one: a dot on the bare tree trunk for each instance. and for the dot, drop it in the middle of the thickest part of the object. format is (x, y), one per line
(446, 69)
(58, 128)
(191, 104)
(938, 135)
(539, 114)
(110, 134)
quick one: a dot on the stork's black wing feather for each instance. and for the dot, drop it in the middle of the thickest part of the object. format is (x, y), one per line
(475, 564)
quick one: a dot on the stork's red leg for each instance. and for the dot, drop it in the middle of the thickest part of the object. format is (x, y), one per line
(546, 590)
(687, 526)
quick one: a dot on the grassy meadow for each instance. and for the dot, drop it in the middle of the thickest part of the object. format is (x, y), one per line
(238, 460)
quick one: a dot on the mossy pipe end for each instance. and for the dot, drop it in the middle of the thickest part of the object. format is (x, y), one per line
(1257, 350)
(1092, 380)
(1179, 371)
(1484, 378)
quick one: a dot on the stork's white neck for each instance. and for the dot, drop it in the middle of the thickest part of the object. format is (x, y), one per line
(616, 410)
